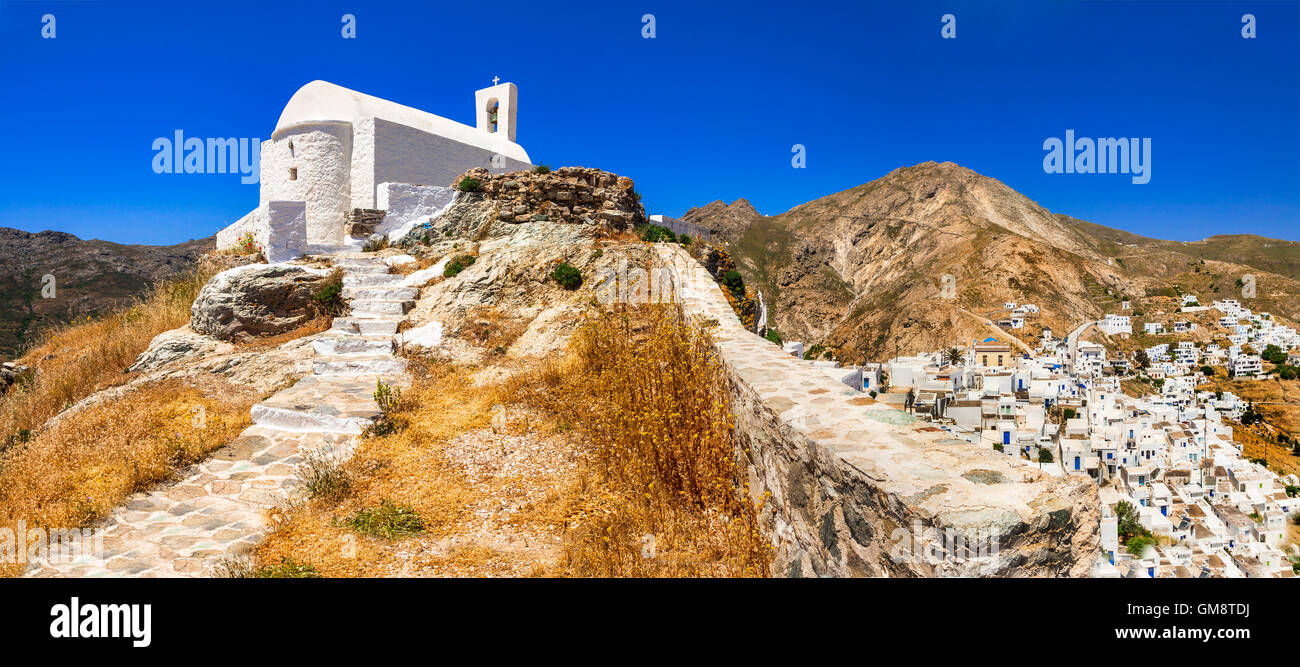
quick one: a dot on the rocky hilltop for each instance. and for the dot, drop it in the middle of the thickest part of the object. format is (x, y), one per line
(862, 271)
(90, 277)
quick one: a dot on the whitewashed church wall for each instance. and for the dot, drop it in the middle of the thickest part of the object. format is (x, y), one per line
(681, 227)
(363, 161)
(312, 163)
(286, 223)
(404, 154)
(408, 205)
(254, 221)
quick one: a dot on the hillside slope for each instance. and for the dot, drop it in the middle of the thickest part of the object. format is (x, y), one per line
(90, 277)
(862, 270)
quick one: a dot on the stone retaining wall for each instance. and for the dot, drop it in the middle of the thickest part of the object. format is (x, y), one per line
(855, 488)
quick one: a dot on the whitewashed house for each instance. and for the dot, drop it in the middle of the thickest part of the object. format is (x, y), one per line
(1116, 324)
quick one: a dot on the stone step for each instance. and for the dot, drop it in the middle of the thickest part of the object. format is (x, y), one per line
(363, 307)
(321, 404)
(365, 326)
(364, 365)
(381, 293)
(373, 280)
(361, 265)
(365, 269)
(354, 346)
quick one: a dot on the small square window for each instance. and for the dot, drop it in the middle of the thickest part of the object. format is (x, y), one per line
(293, 173)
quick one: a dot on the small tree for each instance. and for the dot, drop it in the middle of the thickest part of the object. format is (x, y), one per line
(734, 282)
(1126, 518)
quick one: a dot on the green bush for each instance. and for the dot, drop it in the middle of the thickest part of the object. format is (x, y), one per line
(1138, 544)
(774, 336)
(329, 297)
(388, 520)
(469, 185)
(457, 264)
(1045, 455)
(567, 276)
(288, 568)
(734, 282)
(389, 400)
(542, 169)
(684, 239)
(655, 234)
(817, 350)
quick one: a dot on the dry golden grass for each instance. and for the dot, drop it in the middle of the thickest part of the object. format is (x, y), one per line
(488, 327)
(1277, 400)
(642, 396)
(1255, 445)
(76, 360)
(89, 461)
(407, 467)
(662, 493)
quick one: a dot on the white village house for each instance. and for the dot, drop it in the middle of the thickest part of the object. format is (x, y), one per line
(334, 150)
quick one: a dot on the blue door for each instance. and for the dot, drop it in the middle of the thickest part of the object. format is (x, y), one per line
(1076, 463)
(1006, 437)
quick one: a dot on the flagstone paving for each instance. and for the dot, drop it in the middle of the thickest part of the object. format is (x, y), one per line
(219, 508)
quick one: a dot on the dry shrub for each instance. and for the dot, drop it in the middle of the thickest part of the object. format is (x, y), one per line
(663, 493)
(75, 360)
(488, 327)
(89, 461)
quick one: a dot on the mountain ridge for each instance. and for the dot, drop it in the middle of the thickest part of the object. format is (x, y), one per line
(90, 277)
(861, 269)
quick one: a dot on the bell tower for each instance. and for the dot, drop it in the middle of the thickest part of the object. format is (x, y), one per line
(496, 107)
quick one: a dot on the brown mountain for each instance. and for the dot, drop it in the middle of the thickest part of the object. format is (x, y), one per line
(89, 277)
(862, 270)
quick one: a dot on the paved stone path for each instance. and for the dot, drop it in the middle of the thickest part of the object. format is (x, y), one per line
(219, 507)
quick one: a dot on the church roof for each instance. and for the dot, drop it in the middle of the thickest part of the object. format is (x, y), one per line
(325, 101)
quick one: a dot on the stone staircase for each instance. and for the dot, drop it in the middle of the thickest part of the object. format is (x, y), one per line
(219, 508)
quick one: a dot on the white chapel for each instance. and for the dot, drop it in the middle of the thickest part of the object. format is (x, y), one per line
(335, 149)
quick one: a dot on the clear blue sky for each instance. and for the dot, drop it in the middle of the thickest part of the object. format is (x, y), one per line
(707, 110)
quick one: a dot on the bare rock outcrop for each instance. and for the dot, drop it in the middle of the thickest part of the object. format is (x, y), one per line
(9, 374)
(565, 195)
(256, 300)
